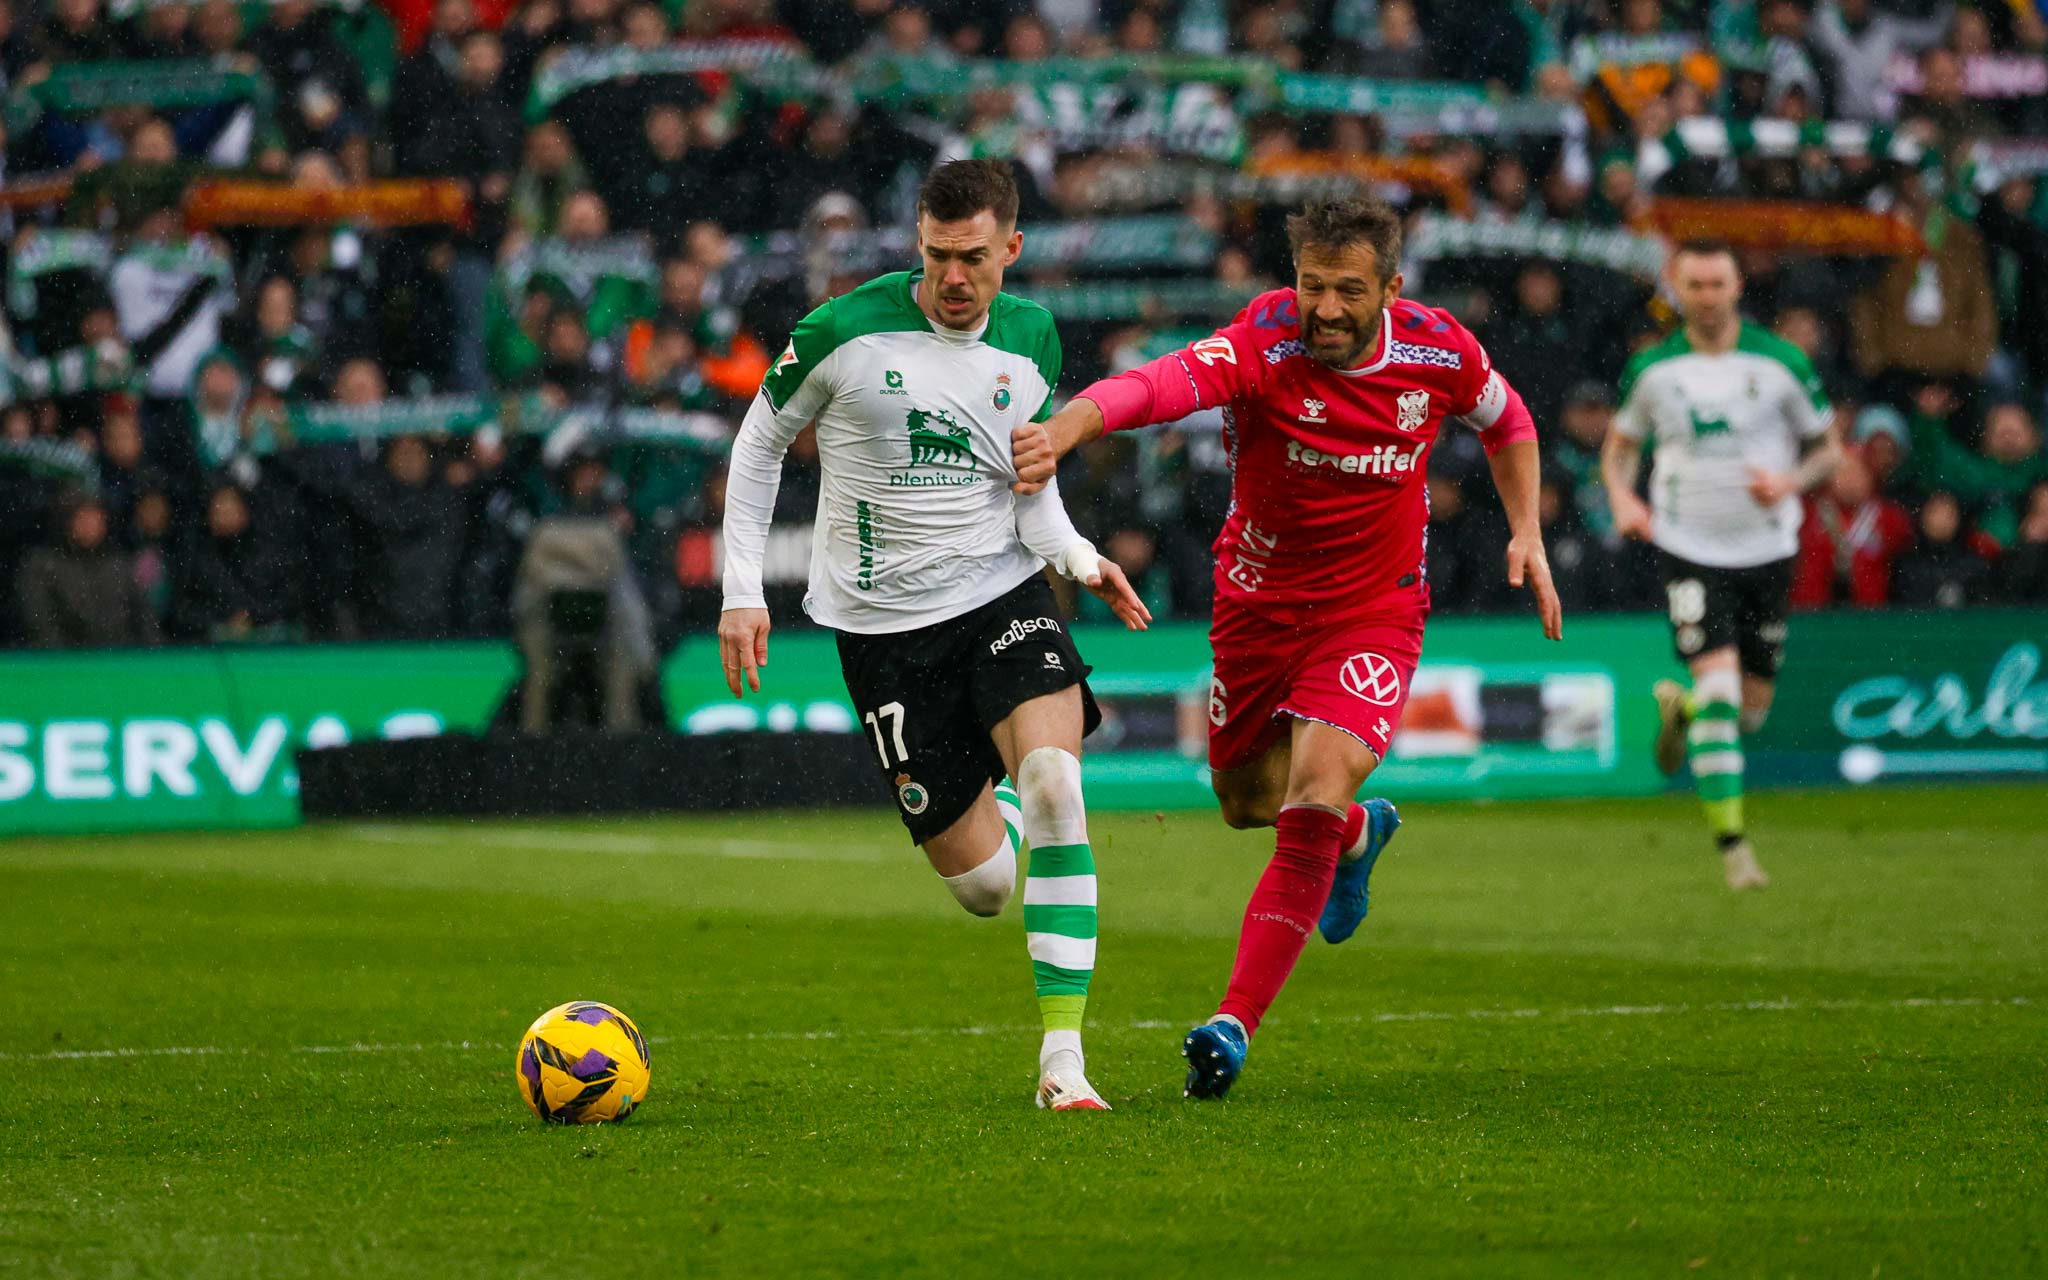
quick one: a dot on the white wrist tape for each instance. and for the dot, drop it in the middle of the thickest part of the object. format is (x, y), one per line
(1080, 561)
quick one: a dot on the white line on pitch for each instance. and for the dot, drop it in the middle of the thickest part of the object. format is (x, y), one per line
(600, 842)
(1141, 1024)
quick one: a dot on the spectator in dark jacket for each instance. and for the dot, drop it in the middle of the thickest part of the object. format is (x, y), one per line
(1949, 568)
(666, 186)
(123, 474)
(1465, 550)
(2023, 572)
(423, 87)
(19, 49)
(77, 31)
(474, 135)
(321, 97)
(2006, 221)
(413, 534)
(827, 162)
(1396, 50)
(160, 31)
(1539, 342)
(82, 593)
(1586, 580)
(233, 583)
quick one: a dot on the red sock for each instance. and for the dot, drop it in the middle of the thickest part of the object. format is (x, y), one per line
(1283, 910)
(1354, 830)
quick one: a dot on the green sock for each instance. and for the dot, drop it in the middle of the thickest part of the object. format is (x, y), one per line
(1714, 749)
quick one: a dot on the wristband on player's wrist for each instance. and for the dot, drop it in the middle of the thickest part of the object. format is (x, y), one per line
(1081, 561)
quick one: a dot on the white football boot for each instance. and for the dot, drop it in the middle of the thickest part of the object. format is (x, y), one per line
(1063, 1086)
(1739, 867)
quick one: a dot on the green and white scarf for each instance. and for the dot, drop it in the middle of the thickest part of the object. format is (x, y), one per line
(48, 252)
(1436, 236)
(580, 267)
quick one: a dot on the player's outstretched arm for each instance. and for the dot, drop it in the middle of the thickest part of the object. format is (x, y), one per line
(1164, 390)
(1517, 473)
(1037, 447)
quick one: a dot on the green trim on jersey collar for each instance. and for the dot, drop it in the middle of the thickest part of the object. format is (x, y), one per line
(1750, 339)
(887, 304)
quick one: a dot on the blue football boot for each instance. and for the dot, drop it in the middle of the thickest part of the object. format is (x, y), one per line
(1215, 1053)
(1345, 910)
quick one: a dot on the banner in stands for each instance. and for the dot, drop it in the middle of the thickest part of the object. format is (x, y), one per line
(396, 203)
(204, 738)
(1870, 697)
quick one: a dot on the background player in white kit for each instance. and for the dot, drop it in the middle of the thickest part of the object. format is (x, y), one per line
(1741, 427)
(930, 570)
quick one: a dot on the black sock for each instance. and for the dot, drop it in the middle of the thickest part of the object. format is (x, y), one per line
(1728, 842)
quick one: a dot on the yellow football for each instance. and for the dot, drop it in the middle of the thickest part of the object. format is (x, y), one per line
(583, 1063)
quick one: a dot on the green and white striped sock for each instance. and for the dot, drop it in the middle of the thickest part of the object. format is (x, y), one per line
(1059, 900)
(1714, 749)
(1013, 815)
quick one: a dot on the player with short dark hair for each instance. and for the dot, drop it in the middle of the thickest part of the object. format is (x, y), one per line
(1742, 429)
(930, 570)
(1333, 392)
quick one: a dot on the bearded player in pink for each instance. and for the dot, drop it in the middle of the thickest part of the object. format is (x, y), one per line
(1333, 392)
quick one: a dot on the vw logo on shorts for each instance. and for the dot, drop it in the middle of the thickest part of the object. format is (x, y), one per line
(1373, 678)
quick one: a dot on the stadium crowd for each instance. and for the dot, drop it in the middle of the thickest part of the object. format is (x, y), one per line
(315, 312)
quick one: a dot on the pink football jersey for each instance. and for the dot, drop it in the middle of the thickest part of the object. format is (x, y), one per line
(1329, 500)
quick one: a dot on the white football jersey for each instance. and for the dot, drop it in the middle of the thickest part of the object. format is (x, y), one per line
(1708, 419)
(916, 521)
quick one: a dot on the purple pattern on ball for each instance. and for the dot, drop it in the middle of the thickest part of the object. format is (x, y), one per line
(590, 1015)
(593, 1063)
(529, 1064)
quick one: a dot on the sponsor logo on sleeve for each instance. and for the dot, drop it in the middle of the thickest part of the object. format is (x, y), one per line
(1210, 350)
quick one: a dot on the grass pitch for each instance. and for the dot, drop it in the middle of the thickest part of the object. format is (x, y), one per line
(1558, 1047)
